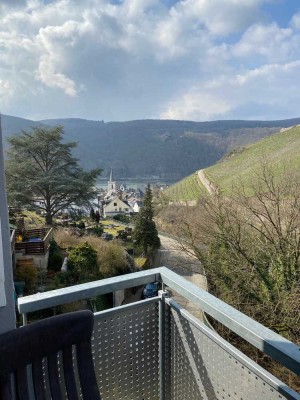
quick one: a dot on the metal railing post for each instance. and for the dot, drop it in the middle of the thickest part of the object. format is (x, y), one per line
(162, 345)
(24, 318)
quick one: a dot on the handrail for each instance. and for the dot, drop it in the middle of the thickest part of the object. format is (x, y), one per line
(261, 337)
(48, 234)
(69, 294)
(46, 241)
(276, 346)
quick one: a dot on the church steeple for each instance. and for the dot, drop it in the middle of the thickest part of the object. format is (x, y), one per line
(111, 184)
(111, 178)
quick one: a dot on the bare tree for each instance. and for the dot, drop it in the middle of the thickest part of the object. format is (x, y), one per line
(249, 245)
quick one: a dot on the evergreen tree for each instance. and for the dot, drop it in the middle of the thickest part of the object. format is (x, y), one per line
(145, 232)
(42, 172)
(92, 214)
(97, 216)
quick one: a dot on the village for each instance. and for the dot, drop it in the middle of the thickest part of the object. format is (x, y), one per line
(117, 199)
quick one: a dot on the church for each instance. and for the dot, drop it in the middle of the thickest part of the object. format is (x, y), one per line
(113, 203)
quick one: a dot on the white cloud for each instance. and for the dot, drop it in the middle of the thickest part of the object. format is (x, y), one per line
(197, 105)
(255, 94)
(272, 43)
(6, 90)
(198, 59)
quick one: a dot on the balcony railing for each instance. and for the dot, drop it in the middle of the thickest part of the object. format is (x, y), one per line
(38, 241)
(155, 349)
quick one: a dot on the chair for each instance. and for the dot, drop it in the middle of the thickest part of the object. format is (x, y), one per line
(23, 351)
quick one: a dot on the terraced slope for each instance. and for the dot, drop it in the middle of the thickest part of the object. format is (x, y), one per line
(281, 149)
(188, 189)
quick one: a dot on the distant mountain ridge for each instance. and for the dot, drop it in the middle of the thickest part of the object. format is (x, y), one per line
(146, 148)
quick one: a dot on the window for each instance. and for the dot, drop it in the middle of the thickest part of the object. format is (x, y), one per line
(115, 204)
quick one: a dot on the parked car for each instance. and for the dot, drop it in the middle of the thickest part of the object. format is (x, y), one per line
(150, 290)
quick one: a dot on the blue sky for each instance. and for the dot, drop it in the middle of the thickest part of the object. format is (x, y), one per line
(281, 11)
(133, 59)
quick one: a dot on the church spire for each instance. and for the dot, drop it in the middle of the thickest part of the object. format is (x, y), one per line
(112, 185)
(111, 178)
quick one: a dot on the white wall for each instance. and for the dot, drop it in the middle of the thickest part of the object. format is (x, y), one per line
(7, 307)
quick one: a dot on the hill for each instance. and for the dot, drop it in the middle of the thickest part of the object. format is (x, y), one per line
(147, 148)
(186, 190)
(282, 149)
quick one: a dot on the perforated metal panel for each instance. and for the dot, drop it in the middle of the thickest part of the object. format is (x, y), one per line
(202, 366)
(126, 352)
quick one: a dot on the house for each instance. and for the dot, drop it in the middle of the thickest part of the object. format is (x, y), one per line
(116, 206)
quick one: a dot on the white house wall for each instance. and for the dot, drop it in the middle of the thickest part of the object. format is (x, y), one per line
(115, 207)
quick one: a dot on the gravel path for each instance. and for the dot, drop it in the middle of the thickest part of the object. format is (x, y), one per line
(173, 257)
(206, 183)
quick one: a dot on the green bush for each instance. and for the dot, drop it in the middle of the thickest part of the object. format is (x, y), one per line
(97, 230)
(81, 225)
(82, 263)
(55, 262)
(122, 218)
(55, 257)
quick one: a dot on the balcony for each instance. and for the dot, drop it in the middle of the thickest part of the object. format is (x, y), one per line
(37, 241)
(155, 349)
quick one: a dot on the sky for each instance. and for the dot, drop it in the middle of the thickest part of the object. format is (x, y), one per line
(118, 60)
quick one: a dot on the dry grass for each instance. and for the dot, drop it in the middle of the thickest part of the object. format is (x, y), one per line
(111, 256)
(66, 239)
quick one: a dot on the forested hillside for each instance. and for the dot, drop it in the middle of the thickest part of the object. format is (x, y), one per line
(146, 148)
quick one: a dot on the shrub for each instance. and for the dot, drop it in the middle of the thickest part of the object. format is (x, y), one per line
(82, 263)
(65, 238)
(97, 230)
(113, 262)
(81, 225)
(28, 274)
(110, 256)
(55, 261)
(121, 218)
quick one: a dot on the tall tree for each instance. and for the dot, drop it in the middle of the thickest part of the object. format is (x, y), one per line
(92, 214)
(145, 231)
(42, 172)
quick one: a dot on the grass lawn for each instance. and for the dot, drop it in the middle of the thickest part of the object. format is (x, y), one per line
(112, 227)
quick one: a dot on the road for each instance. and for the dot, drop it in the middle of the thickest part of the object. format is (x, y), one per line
(173, 257)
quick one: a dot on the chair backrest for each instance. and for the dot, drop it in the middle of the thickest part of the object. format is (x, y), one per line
(44, 359)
